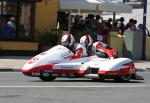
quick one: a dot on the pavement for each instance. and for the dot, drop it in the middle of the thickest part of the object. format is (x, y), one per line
(15, 63)
(12, 63)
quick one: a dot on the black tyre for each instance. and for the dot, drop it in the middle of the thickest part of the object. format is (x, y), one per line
(123, 78)
(46, 77)
(100, 79)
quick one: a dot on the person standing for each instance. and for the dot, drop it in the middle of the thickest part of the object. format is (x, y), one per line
(99, 29)
(121, 26)
(109, 24)
(6, 31)
(12, 23)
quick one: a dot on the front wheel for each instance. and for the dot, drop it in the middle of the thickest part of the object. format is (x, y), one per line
(100, 79)
(46, 77)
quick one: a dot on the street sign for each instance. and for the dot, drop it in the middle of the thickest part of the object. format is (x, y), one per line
(136, 4)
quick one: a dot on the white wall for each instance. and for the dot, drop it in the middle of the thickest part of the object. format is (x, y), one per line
(138, 15)
(148, 14)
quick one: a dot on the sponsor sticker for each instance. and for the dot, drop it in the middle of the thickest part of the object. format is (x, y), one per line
(33, 60)
(66, 67)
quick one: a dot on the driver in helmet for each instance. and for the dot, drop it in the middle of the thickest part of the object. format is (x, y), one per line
(69, 42)
(87, 41)
(103, 50)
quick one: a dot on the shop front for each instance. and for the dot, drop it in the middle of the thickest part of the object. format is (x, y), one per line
(17, 22)
(17, 19)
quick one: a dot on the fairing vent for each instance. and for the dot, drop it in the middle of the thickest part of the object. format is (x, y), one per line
(93, 70)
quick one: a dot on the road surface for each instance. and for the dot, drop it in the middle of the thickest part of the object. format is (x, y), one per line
(17, 88)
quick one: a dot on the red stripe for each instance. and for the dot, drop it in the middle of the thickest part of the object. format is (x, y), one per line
(69, 38)
(49, 67)
(38, 69)
(117, 72)
(128, 70)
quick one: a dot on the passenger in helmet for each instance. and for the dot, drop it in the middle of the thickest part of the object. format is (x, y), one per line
(103, 50)
(87, 41)
(69, 42)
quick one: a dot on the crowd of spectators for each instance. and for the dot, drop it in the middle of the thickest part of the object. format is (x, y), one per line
(130, 26)
(96, 25)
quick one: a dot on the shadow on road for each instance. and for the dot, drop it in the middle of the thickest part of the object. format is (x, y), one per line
(89, 81)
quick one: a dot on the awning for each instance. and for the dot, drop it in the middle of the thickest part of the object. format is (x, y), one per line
(77, 5)
(108, 5)
(123, 8)
(93, 6)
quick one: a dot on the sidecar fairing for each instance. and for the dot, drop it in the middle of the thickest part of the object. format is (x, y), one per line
(58, 62)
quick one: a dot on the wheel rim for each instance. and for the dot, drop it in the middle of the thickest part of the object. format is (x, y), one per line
(44, 74)
(47, 77)
(126, 77)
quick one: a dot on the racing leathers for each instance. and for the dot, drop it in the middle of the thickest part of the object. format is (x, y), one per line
(79, 50)
(103, 50)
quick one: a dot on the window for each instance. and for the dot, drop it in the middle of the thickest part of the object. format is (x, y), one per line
(25, 22)
(17, 20)
(8, 19)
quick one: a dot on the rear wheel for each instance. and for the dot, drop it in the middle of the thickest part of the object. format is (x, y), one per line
(45, 76)
(123, 78)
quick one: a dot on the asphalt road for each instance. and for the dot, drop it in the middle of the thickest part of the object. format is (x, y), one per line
(17, 88)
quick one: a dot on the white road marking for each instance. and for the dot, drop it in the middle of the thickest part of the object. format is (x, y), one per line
(96, 86)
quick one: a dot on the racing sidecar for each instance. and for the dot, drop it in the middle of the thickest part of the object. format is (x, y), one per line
(58, 62)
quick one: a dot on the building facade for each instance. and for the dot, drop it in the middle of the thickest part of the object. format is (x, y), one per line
(137, 12)
(21, 20)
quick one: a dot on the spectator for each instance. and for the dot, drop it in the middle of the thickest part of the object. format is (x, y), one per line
(115, 23)
(81, 22)
(141, 28)
(99, 28)
(76, 24)
(11, 23)
(104, 29)
(121, 26)
(130, 26)
(90, 22)
(135, 22)
(6, 31)
(109, 24)
(99, 25)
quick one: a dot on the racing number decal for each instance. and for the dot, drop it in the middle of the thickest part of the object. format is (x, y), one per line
(33, 60)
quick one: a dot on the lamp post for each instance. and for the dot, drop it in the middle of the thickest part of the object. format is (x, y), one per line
(144, 30)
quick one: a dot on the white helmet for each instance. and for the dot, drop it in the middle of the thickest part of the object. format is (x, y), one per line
(86, 41)
(67, 40)
(98, 45)
(97, 49)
